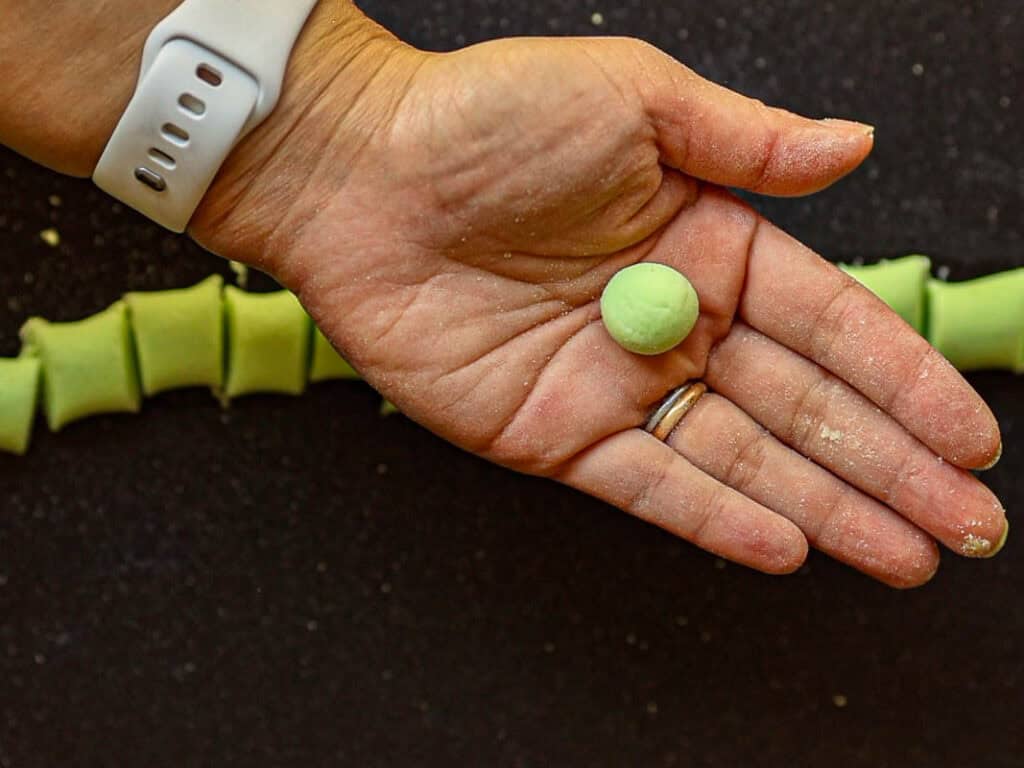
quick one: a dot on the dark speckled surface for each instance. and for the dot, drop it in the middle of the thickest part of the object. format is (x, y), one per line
(296, 582)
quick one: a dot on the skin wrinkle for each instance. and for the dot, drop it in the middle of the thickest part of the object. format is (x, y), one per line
(906, 473)
(542, 465)
(709, 511)
(625, 101)
(464, 392)
(467, 163)
(680, 151)
(640, 502)
(519, 333)
(846, 323)
(827, 531)
(517, 336)
(809, 416)
(644, 195)
(408, 306)
(909, 384)
(898, 480)
(755, 232)
(762, 179)
(639, 211)
(827, 328)
(292, 221)
(740, 474)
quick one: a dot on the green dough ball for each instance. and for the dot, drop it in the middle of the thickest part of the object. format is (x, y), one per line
(327, 363)
(979, 324)
(88, 366)
(649, 308)
(900, 283)
(268, 342)
(19, 390)
(179, 336)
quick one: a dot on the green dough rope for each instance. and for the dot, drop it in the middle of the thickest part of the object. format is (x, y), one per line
(234, 342)
(88, 366)
(900, 283)
(976, 325)
(179, 336)
(327, 363)
(19, 391)
(268, 343)
(979, 324)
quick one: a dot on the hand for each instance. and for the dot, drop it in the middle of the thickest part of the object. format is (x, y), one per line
(450, 221)
(457, 250)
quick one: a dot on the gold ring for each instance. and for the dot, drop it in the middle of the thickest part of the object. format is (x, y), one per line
(675, 406)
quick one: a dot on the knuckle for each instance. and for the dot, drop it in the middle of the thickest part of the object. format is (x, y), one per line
(706, 514)
(748, 462)
(830, 531)
(647, 492)
(810, 411)
(916, 372)
(530, 456)
(904, 474)
(841, 316)
(764, 165)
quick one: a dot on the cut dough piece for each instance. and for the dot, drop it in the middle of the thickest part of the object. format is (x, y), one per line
(900, 283)
(979, 324)
(19, 391)
(268, 343)
(179, 336)
(88, 366)
(327, 363)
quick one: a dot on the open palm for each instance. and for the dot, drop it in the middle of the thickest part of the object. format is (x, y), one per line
(455, 243)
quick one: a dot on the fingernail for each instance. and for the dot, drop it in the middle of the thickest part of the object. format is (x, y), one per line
(1001, 543)
(999, 455)
(849, 125)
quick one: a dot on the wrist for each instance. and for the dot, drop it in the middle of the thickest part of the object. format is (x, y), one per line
(344, 80)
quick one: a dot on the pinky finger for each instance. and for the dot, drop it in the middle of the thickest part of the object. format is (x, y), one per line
(647, 478)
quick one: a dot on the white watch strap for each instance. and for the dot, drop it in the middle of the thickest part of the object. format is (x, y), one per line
(211, 71)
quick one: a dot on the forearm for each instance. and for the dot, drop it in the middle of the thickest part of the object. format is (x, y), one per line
(69, 73)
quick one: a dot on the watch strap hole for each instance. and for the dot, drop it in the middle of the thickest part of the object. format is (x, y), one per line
(162, 157)
(175, 134)
(192, 104)
(151, 179)
(209, 75)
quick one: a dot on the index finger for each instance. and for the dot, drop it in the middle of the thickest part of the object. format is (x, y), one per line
(809, 305)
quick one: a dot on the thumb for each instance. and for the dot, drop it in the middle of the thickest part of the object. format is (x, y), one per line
(720, 136)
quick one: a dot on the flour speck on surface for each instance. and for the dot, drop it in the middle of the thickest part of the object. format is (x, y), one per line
(832, 435)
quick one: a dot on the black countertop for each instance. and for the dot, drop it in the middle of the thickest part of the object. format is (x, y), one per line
(299, 582)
